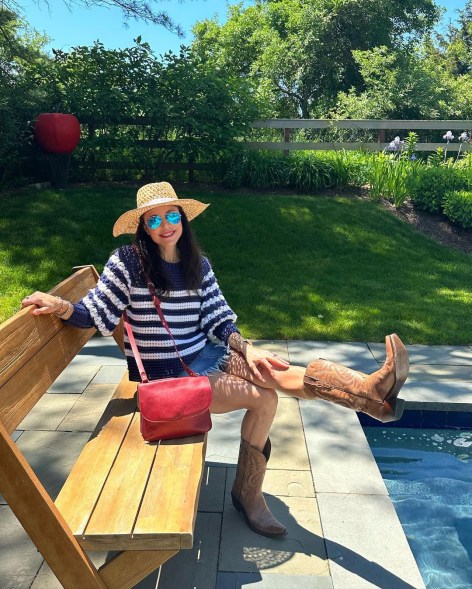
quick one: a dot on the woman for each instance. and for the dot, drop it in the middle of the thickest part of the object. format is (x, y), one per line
(203, 325)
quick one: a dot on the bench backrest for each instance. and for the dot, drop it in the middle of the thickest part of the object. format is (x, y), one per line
(35, 349)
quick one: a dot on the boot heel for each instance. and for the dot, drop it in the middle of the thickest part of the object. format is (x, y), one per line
(392, 410)
(236, 503)
(402, 363)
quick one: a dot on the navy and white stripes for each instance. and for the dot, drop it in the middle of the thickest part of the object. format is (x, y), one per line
(193, 316)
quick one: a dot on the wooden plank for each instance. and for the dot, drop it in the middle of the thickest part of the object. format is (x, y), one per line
(42, 521)
(24, 334)
(127, 569)
(81, 491)
(115, 513)
(463, 125)
(171, 500)
(21, 392)
(334, 146)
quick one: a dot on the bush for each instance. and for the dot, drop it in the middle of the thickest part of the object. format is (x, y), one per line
(429, 185)
(457, 207)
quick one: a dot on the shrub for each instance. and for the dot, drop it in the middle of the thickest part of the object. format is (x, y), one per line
(429, 185)
(457, 207)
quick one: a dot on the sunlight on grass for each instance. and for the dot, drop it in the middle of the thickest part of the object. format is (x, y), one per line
(292, 267)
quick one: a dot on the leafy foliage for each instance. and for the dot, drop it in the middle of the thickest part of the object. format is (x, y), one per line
(20, 97)
(299, 53)
(457, 205)
(193, 111)
(429, 186)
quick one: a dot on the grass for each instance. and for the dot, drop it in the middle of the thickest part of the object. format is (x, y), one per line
(292, 267)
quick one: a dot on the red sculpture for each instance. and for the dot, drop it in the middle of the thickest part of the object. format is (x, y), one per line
(57, 132)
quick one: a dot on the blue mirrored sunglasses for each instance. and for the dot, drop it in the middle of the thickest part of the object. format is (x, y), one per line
(172, 217)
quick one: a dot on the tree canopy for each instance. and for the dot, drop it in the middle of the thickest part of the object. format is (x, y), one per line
(300, 53)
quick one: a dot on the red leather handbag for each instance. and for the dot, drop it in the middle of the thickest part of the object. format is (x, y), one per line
(171, 407)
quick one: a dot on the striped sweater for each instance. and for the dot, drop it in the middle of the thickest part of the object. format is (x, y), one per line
(193, 316)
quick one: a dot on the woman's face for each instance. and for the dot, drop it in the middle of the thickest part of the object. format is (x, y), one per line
(169, 229)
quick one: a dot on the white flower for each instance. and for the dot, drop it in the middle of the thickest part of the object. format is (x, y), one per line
(448, 136)
(463, 137)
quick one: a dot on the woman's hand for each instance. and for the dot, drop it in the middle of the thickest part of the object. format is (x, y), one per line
(45, 303)
(258, 359)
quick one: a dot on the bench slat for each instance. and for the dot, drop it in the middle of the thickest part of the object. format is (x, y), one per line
(88, 476)
(116, 510)
(19, 395)
(24, 334)
(175, 481)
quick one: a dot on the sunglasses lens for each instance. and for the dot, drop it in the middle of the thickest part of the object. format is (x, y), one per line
(173, 217)
(154, 222)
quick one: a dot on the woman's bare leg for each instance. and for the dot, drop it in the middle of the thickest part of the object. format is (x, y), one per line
(288, 380)
(231, 392)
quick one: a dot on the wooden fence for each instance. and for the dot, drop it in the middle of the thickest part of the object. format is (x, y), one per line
(286, 144)
(459, 126)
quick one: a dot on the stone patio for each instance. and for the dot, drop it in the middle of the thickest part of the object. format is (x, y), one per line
(322, 483)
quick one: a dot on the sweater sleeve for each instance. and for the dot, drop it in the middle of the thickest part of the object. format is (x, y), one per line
(217, 320)
(105, 303)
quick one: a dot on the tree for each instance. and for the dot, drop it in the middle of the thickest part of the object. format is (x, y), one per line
(299, 53)
(20, 97)
(192, 110)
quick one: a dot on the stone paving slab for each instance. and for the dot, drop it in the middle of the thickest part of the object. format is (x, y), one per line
(73, 380)
(436, 395)
(100, 351)
(302, 550)
(340, 457)
(267, 581)
(354, 355)
(85, 414)
(288, 442)
(448, 355)
(52, 455)
(195, 568)
(49, 411)
(212, 491)
(109, 374)
(281, 483)
(374, 555)
(440, 373)
(20, 559)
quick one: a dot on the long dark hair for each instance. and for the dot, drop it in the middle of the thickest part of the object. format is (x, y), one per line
(189, 252)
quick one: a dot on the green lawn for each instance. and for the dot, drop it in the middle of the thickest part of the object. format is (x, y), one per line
(296, 267)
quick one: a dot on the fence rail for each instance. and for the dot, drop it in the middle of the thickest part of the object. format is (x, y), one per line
(360, 124)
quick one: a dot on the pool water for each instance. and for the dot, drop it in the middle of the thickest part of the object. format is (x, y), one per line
(428, 474)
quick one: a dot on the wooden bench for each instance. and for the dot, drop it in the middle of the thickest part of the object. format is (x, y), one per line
(122, 494)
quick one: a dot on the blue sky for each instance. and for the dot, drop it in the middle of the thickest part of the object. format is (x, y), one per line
(83, 26)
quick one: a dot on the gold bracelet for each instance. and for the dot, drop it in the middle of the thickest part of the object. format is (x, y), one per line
(61, 313)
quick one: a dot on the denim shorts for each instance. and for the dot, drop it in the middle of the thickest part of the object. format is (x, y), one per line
(212, 358)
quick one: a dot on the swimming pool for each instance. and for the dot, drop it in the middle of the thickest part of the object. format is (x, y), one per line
(428, 474)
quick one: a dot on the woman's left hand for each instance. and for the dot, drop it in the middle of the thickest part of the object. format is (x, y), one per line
(258, 358)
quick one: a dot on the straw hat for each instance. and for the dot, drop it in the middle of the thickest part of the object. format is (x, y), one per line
(155, 195)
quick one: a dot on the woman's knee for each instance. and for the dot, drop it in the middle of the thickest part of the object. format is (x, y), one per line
(266, 400)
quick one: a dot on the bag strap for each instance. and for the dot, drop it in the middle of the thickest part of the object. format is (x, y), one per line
(134, 347)
(129, 331)
(157, 304)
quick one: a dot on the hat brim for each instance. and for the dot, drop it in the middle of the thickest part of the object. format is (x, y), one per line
(128, 222)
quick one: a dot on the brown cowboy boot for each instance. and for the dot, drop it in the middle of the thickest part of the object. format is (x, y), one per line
(374, 394)
(247, 491)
